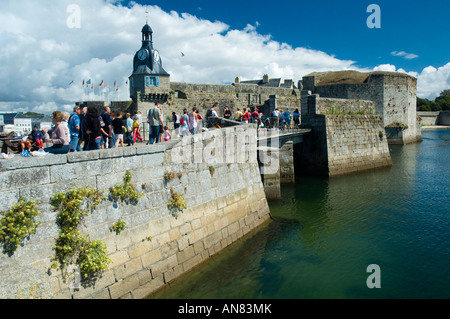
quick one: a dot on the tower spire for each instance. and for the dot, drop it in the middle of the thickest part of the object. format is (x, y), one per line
(146, 16)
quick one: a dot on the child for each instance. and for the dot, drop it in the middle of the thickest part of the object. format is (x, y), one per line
(129, 127)
(136, 127)
(167, 135)
(46, 137)
(118, 127)
(38, 137)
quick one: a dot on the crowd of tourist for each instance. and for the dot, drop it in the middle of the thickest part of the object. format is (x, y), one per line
(86, 129)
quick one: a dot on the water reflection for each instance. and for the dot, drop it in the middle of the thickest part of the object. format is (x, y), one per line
(327, 231)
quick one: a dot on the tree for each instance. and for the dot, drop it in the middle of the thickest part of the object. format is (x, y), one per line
(443, 100)
(441, 103)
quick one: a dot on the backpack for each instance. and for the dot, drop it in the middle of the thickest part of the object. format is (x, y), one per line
(182, 120)
(208, 113)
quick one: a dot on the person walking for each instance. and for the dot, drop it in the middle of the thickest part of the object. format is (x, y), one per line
(176, 124)
(184, 124)
(129, 126)
(118, 127)
(154, 119)
(296, 117)
(193, 119)
(227, 113)
(93, 129)
(107, 120)
(74, 129)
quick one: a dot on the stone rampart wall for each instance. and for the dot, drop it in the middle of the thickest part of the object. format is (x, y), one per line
(444, 118)
(356, 143)
(343, 144)
(330, 106)
(429, 118)
(394, 96)
(224, 195)
(203, 96)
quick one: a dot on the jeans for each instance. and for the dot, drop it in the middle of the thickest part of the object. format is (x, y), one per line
(129, 138)
(74, 146)
(154, 134)
(58, 149)
(94, 145)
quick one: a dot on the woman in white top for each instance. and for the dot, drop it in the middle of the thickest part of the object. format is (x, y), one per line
(193, 121)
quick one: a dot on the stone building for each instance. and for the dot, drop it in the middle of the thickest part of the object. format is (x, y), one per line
(150, 83)
(394, 94)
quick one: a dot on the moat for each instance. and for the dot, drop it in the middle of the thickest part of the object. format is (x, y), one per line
(327, 231)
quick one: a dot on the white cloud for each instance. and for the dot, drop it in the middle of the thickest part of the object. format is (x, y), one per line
(432, 81)
(40, 55)
(385, 67)
(403, 54)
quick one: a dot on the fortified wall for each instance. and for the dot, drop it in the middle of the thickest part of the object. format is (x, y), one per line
(346, 137)
(441, 118)
(394, 94)
(237, 95)
(224, 198)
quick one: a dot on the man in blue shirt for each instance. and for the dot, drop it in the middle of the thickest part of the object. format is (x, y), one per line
(287, 117)
(74, 128)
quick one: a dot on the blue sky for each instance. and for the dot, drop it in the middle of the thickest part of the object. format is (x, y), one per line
(49, 47)
(339, 28)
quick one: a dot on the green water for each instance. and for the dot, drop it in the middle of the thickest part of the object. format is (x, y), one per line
(326, 232)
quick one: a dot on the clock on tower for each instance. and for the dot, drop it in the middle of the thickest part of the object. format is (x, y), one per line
(149, 77)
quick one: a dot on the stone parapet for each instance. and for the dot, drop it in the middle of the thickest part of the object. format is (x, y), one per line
(225, 201)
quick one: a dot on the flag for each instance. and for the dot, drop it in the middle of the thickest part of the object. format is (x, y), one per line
(101, 84)
(117, 89)
(83, 83)
(114, 83)
(89, 82)
(92, 87)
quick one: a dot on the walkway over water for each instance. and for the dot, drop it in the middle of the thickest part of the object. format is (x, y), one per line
(267, 136)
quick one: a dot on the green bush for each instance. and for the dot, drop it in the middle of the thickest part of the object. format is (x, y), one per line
(177, 203)
(93, 258)
(18, 224)
(126, 191)
(119, 226)
(71, 247)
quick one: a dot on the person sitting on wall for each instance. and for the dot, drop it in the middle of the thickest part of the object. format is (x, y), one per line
(60, 136)
(38, 137)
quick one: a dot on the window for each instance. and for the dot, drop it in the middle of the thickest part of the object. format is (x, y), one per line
(152, 81)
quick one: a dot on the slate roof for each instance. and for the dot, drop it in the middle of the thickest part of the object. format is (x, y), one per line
(8, 118)
(274, 83)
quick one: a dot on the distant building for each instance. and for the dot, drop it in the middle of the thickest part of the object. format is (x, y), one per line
(7, 121)
(266, 81)
(24, 124)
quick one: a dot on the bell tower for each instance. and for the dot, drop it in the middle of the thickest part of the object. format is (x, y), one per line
(149, 82)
